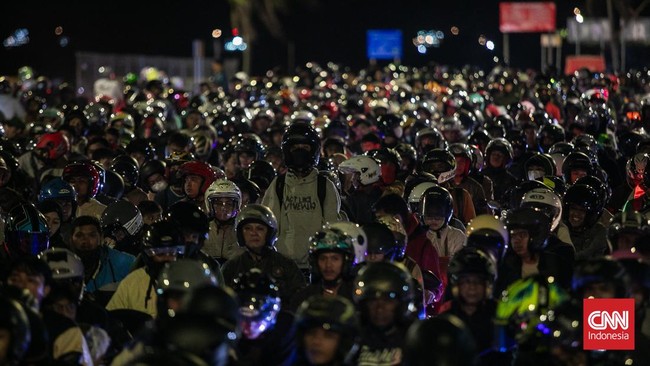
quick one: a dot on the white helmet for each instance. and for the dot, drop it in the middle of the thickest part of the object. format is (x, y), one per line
(547, 201)
(367, 167)
(359, 238)
(222, 188)
(416, 194)
(63, 263)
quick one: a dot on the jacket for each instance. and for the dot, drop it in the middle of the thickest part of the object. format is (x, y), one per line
(301, 215)
(113, 267)
(222, 242)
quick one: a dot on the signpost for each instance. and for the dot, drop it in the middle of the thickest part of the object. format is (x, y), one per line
(384, 44)
(526, 17)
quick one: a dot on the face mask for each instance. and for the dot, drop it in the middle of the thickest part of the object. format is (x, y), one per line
(159, 186)
(302, 158)
(534, 174)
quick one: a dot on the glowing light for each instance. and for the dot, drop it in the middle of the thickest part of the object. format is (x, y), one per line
(428, 39)
(216, 33)
(495, 59)
(58, 30)
(482, 40)
(579, 18)
(422, 49)
(576, 11)
(489, 45)
(64, 41)
(237, 41)
(455, 30)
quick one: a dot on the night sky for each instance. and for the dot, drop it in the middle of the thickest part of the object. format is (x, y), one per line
(325, 30)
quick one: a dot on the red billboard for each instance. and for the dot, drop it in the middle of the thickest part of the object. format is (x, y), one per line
(527, 17)
(595, 63)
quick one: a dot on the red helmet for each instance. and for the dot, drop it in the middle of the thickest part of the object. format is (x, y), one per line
(84, 169)
(56, 144)
(203, 170)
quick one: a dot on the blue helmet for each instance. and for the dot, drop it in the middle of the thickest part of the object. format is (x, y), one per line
(57, 189)
(26, 231)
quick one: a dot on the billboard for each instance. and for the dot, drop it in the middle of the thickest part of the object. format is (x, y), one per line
(384, 44)
(531, 17)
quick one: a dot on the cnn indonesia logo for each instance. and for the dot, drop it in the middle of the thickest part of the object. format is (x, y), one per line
(608, 324)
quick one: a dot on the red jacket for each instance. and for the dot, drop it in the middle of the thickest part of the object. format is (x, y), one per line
(420, 248)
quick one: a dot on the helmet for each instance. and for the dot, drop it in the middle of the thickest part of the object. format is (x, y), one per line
(301, 160)
(381, 240)
(603, 189)
(367, 167)
(183, 276)
(437, 201)
(390, 125)
(548, 135)
(14, 319)
(533, 220)
(585, 197)
(433, 140)
(547, 201)
(488, 233)
(524, 304)
(627, 222)
(443, 340)
(223, 188)
(261, 172)
(216, 304)
(121, 215)
(127, 168)
(259, 214)
(477, 158)
(544, 161)
(416, 193)
(386, 280)
(63, 263)
(142, 146)
(502, 145)
(332, 240)
(259, 301)
(201, 169)
(559, 151)
(57, 189)
(471, 260)
(163, 237)
(358, 236)
(85, 169)
(441, 163)
(26, 231)
(463, 151)
(203, 144)
(576, 160)
(188, 216)
(333, 313)
(150, 168)
(56, 145)
(251, 144)
(127, 120)
(601, 269)
(113, 185)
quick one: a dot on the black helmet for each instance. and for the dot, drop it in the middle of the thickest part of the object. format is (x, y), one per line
(142, 146)
(26, 231)
(603, 189)
(180, 277)
(121, 215)
(434, 138)
(259, 300)
(437, 201)
(382, 241)
(259, 214)
(301, 160)
(472, 260)
(444, 340)
(14, 320)
(441, 163)
(219, 305)
(390, 125)
(587, 198)
(544, 161)
(576, 160)
(628, 222)
(251, 144)
(548, 135)
(515, 193)
(163, 237)
(127, 167)
(602, 269)
(113, 185)
(386, 280)
(150, 168)
(189, 217)
(502, 145)
(261, 172)
(333, 313)
(533, 220)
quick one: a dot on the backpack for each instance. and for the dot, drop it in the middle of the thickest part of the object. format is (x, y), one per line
(321, 189)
